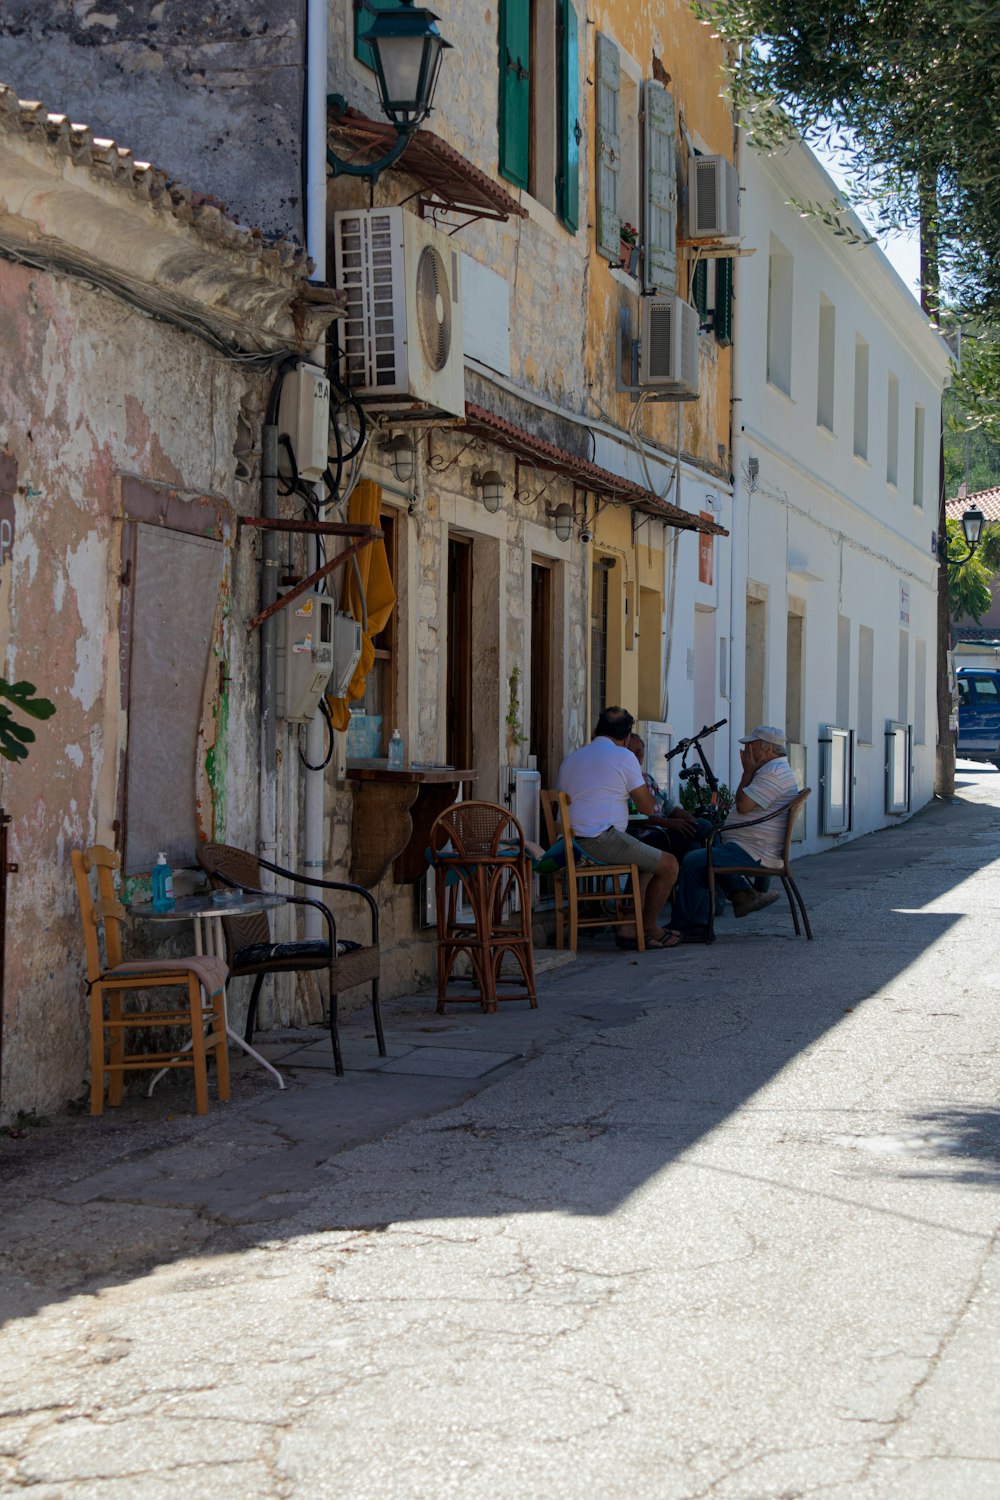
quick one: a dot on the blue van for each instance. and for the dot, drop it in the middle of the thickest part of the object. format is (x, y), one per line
(979, 714)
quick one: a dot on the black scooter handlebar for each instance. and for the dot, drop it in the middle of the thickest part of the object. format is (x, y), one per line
(702, 734)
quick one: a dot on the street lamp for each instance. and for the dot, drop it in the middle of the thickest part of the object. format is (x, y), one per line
(972, 529)
(406, 49)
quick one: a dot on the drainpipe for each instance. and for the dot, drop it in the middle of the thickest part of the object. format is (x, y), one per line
(738, 529)
(317, 47)
(268, 652)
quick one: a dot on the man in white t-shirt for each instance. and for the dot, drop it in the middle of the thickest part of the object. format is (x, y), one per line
(767, 785)
(600, 778)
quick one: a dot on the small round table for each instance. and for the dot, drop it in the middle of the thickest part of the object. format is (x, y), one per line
(205, 912)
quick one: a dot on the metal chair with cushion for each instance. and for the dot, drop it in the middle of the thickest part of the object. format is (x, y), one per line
(610, 892)
(250, 948)
(202, 1011)
(784, 873)
(477, 850)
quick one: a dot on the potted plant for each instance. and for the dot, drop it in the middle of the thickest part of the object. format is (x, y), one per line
(629, 247)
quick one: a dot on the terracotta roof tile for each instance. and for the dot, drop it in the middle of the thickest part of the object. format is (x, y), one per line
(988, 501)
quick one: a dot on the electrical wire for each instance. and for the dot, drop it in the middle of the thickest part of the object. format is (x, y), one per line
(328, 721)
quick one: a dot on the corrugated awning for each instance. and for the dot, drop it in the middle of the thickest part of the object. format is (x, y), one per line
(446, 179)
(581, 471)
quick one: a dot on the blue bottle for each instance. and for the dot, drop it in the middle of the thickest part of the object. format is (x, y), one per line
(163, 885)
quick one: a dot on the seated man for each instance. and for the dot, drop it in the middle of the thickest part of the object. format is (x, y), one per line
(600, 778)
(767, 784)
(672, 830)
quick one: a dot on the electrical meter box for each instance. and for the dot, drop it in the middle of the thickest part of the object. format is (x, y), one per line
(318, 651)
(304, 423)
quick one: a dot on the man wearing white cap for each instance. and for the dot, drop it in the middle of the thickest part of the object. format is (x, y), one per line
(767, 784)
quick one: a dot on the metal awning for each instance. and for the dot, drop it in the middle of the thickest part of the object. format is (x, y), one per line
(446, 180)
(581, 471)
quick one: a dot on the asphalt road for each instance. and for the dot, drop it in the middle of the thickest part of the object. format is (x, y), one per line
(711, 1223)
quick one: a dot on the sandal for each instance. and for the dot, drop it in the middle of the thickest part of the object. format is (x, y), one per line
(667, 939)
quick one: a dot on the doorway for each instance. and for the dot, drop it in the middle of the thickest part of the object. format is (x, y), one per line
(756, 663)
(458, 718)
(540, 736)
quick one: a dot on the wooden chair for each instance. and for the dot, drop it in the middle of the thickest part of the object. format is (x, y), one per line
(250, 949)
(477, 848)
(107, 983)
(587, 884)
(784, 874)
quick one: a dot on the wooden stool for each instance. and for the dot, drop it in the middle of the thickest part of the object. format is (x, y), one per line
(478, 852)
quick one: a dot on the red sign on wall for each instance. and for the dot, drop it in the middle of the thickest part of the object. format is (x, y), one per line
(706, 552)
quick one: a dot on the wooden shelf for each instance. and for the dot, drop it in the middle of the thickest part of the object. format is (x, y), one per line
(393, 813)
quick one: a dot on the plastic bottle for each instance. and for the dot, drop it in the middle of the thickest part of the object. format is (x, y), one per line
(163, 884)
(395, 761)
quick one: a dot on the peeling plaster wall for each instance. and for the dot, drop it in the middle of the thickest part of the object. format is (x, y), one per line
(210, 94)
(90, 390)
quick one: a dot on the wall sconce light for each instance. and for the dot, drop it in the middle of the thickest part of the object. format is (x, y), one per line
(491, 485)
(562, 520)
(406, 49)
(401, 455)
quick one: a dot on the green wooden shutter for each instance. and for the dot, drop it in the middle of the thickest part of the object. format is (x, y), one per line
(699, 290)
(515, 89)
(724, 301)
(661, 189)
(570, 133)
(365, 12)
(609, 146)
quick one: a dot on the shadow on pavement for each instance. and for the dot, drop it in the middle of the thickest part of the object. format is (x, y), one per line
(606, 1104)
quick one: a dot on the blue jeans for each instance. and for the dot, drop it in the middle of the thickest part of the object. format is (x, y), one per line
(691, 894)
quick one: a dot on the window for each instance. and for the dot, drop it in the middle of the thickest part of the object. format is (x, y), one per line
(540, 130)
(779, 317)
(712, 295)
(794, 675)
(986, 692)
(918, 456)
(825, 363)
(892, 432)
(647, 199)
(843, 671)
(754, 695)
(860, 398)
(920, 694)
(904, 676)
(866, 684)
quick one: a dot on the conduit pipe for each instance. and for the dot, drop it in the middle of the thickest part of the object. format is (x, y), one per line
(317, 46)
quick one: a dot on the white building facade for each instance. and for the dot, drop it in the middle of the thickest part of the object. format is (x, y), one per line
(837, 403)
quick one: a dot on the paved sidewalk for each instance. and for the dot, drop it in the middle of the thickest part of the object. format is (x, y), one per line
(709, 1222)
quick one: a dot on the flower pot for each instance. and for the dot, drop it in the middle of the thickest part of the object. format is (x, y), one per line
(628, 254)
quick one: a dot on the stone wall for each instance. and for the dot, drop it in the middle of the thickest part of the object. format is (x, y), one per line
(210, 94)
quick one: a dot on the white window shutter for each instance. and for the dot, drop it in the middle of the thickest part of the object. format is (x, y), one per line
(660, 265)
(609, 146)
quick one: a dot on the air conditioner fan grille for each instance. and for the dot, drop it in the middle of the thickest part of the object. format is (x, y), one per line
(433, 308)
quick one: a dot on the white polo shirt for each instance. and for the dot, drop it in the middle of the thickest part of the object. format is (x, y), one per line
(599, 778)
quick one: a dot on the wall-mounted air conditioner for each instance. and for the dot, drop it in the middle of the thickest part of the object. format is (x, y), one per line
(402, 339)
(713, 201)
(668, 347)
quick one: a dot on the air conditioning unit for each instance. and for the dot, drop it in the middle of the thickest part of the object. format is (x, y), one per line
(402, 339)
(668, 347)
(713, 203)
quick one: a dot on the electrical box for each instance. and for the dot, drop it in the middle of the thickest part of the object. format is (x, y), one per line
(304, 423)
(346, 654)
(304, 656)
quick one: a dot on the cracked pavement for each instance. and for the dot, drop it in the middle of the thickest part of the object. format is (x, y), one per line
(711, 1224)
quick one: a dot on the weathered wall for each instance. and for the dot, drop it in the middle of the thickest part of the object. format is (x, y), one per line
(89, 391)
(210, 94)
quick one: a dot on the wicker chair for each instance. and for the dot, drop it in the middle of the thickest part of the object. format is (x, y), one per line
(784, 874)
(477, 848)
(250, 949)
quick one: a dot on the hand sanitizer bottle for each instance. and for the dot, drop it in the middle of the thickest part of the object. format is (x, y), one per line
(163, 884)
(395, 761)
